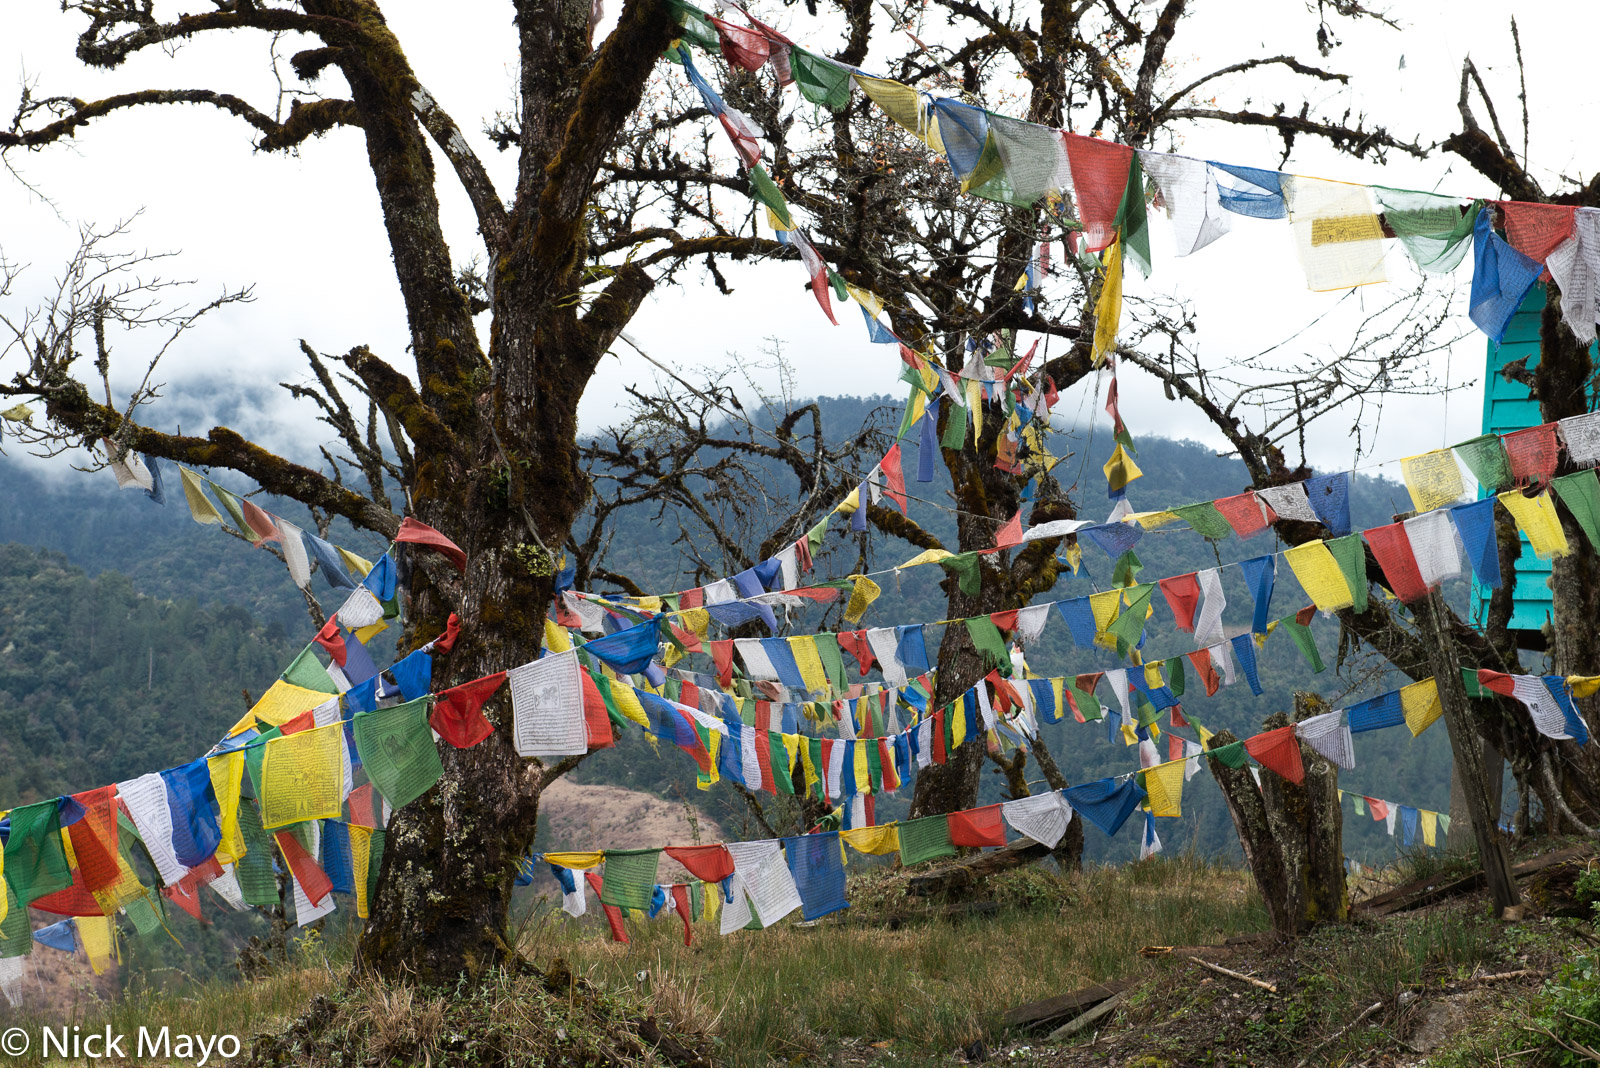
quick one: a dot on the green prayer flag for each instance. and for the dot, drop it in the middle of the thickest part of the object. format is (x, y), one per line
(230, 504)
(874, 767)
(1361, 804)
(1303, 641)
(1144, 710)
(820, 80)
(1350, 553)
(397, 749)
(925, 839)
(1444, 822)
(254, 869)
(955, 428)
(1205, 520)
(629, 880)
(991, 646)
(1580, 492)
(815, 535)
(697, 900)
(832, 661)
(1485, 456)
(989, 181)
(1431, 226)
(1087, 702)
(778, 754)
(840, 290)
(968, 570)
(1128, 627)
(814, 746)
(1469, 679)
(1125, 572)
(255, 751)
(16, 933)
(36, 864)
(1233, 755)
(1131, 221)
(1175, 675)
(695, 28)
(374, 863)
(764, 190)
(307, 672)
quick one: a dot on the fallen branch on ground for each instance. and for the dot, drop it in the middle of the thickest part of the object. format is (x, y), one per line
(1337, 1035)
(1231, 974)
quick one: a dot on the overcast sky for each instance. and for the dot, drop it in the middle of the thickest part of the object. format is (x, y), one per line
(305, 229)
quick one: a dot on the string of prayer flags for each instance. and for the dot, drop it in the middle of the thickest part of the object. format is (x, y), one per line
(398, 751)
(458, 712)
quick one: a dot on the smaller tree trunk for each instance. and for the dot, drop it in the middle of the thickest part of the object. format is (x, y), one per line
(1261, 849)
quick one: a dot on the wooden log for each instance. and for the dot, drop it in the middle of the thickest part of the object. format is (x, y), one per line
(1050, 1011)
(1231, 974)
(963, 873)
(1422, 892)
(1071, 1027)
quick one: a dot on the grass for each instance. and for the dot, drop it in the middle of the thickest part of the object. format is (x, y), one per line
(926, 986)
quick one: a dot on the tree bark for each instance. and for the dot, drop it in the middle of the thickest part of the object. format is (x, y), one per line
(1261, 850)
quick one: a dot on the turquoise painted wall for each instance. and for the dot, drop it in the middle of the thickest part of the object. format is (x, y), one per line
(1507, 407)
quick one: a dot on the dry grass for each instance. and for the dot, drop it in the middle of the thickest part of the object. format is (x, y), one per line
(928, 986)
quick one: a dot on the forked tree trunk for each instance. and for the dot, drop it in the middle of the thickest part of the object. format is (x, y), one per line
(1292, 833)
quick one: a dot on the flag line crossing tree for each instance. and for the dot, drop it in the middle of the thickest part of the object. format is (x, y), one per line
(486, 434)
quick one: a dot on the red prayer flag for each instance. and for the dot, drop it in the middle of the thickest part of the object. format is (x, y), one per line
(458, 711)
(303, 722)
(94, 839)
(1243, 513)
(680, 901)
(186, 896)
(417, 532)
(1278, 751)
(361, 811)
(897, 478)
(708, 863)
(1496, 682)
(1183, 597)
(977, 827)
(1533, 454)
(1379, 809)
(687, 638)
(694, 598)
(1099, 175)
(938, 737)
(262, 524)
(596, 721)
(764, 759)
(619, 933)
(1178, 719)
(1073, 704)
(1536, 229)
(891, 775)
(313, 880)
(1006, 621)
(1392, 548)
(1201, 659)
(1306, 615)
(722, 656)
(741, 47)
(855, 643)
(330, 639)
(1010, 534)
(452, 630)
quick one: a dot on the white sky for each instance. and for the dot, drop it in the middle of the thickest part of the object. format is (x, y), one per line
(306, 231)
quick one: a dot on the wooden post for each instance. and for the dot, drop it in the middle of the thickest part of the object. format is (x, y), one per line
(1468, 751)
(1460, 839)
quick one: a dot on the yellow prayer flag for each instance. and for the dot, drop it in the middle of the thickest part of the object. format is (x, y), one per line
(648, 604)
(556, 638)
(227, 773)
(361, 864)
(956, 717)
(873, 841)
(697, 620)
(302, 777)
(926, 556)
(370, 631)
(354, 563)
(777, 223)
(1108, 308)
(902, 104)
(1152, 675)
(1430, 827)
(806, 658)
(712, 893)
(1318, 572)
(792, 744)
(1129, 736)
(1420, 703)
(866, 298)
(1536, 517)
(1120, 469)
(1584, 685)
(1164, 782)
(864, 593)
(705, 780)
(576, 861)
(97, 935)
(1154, 520)
(200, 506)
(810, 769)
(671, 655)
(975, 407)
(282, 702)
(858, 751)
(1433, 478)
(627, 703)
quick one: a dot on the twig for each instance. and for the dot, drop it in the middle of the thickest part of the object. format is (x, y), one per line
(1220, 970)
(1346, 1029)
